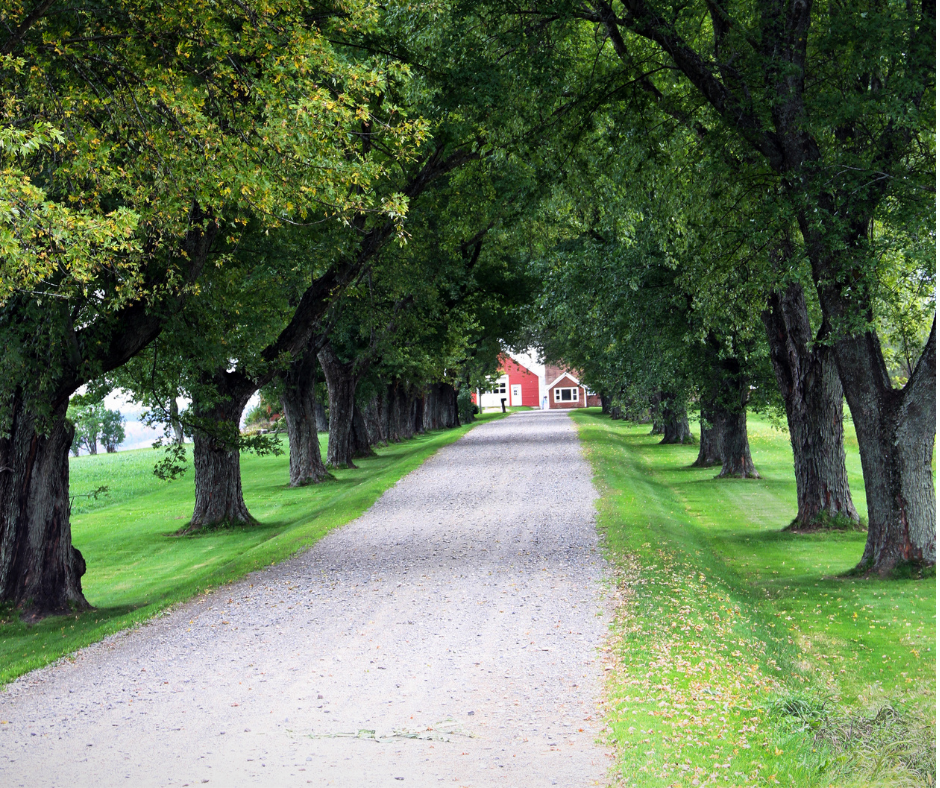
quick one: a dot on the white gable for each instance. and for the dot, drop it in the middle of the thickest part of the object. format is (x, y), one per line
(564, 375)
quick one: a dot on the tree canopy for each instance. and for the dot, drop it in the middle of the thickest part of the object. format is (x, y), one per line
(715, 203)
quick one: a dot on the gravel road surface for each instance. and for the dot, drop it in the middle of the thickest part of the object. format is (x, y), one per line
(448, 637)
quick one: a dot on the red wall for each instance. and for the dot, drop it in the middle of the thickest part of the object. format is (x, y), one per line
(520, 376)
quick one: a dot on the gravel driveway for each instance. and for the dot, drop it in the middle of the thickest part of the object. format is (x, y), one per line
(449, 636)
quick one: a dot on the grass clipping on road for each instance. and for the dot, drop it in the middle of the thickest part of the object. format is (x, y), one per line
(138, 567)
(742, 654)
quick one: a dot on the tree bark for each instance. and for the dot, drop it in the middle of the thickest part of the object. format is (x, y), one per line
(731, 415)
(341, 385)
(216, 459)
(373, 415)
(675, 420)
(896, 430)
(361, 442)
(736, 459)
(319, 412)
(420, 403)
(431, 415)
(401, 421)
(812, 395)
(605, 404)
(659, 427)
(299, 403)
(176, 425)
(40, 570)
(709, 444)
(391, 413)
(440, 407)
(449, 408)
(407, 405)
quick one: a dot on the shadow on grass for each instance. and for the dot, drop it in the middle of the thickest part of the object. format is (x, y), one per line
(775, 537)
(11, 625)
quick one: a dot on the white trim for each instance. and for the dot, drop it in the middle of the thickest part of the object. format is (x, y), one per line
(564, 375)
(557, 395)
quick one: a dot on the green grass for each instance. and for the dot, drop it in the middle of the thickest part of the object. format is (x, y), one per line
(137, 568)
(742, 654)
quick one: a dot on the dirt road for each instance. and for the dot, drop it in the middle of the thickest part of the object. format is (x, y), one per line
(449, 636)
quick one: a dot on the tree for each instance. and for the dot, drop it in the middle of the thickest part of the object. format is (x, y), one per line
(93, 423)
(832, 106)
(157, 132)
(112, 430)
(86, 421)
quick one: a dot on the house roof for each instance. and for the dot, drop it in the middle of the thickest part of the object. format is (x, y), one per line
(563, 375)
(506, 361)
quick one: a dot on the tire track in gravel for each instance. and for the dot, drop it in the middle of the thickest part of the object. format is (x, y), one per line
(459, 619)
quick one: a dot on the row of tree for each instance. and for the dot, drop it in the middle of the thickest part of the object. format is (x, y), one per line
(95, 424)
(204, 201)
(199, 202)
(751, 202)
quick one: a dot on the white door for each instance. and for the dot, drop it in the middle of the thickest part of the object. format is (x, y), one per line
(515, 395)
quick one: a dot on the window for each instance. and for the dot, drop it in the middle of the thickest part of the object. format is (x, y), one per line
(566, 395)
(498, 388)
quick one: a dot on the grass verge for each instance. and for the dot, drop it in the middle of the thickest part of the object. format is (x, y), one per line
(137, 567)
(745, 654)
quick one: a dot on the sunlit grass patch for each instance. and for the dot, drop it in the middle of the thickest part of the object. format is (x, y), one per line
(723, 617)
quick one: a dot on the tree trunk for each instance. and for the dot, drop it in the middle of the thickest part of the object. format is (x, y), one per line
(176, 425)
(361, 443)
(675, 420)
(40, 570)
(896, 428)
(656, 415)
(404, 403)
(709, 444)
(319, 412)
(896, 432)
(341, 386)
(299, 404)
(450, 416)
(372, 413)
(381, 416)
(605, 404)
(731, 414)
(812, 395)
(216, 459)
(735, 450)
(400, 412)
(432, 409)
(391, 413)
(446, 409)
(420, 402)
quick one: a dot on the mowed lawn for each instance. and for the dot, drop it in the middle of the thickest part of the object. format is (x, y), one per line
(137, 567)
(742, 654)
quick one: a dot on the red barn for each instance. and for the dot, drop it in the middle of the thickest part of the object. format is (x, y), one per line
(516, 384)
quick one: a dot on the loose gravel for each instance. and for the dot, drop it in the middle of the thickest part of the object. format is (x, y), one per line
(449, 636)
